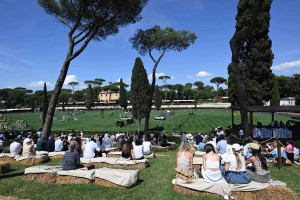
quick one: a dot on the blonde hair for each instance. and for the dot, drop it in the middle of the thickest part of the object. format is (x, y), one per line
(238, 160)
(185, 146)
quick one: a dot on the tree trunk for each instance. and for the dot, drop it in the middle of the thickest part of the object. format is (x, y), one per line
(140, 122)
(166, 92)
(54, 99)
(217, 90)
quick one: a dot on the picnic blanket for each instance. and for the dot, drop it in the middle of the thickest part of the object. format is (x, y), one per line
(120, 177)
(42, 169)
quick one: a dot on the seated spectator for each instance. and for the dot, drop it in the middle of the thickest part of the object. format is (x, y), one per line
(113, 137)
(59, 144)
(190, 139)
(222, 144)
(28, 151)
(122, 141)
(296, 154)
(50, 144)
(198, 138)
(260, 171)
(41, 144)
(273, 153)
(137, 152)
(289, 150)
(228, 131)
(164, 141)
(281, 124)
(201, 146)
(16, 147)
(91, 149)
(259, 124)
(26, 139)
(156, 140)
(185, 158)
(211, 165)
(235, 167)
(66, 144)
(220, 131)
(2, 143)
(127, 150)
(147, 147)
(71, 158)
(108, 142)
(78, 148)
(99, 142)
(183, 137)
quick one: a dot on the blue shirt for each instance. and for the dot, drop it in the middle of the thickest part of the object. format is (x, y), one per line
(58, 145)
(108, 143)
(201, 146)
(247, 153)
(221, 146)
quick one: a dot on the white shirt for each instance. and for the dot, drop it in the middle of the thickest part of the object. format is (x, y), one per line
(90, 148)
(220, 133)
(138, 151)
(58, 145)
(147, 146)
(39, 133)
(15, 148)
(232, 163)
(241, 132)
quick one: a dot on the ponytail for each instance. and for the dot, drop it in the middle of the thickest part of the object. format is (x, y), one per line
(238, 160)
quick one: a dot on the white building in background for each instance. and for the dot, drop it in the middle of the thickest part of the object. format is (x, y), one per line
(289, 101)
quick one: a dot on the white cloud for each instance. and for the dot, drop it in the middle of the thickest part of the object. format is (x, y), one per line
(40, 84)
(70, 78)
(118, 80)
(286, 65)
(172, 77)
(204, 74)
(189, 76)
(156, 75)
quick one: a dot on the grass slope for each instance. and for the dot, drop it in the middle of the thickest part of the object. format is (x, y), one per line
(203, 121)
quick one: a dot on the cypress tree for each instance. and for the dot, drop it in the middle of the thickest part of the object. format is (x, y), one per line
(275, 101)
(157, 98)
(45, 103)
(140, 90)
(123, 95)
(89, 98)
(255, 57)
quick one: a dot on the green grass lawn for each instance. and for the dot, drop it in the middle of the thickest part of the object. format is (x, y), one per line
(203, 121)
(155, 183)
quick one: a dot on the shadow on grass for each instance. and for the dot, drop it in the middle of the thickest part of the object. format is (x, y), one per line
(158, 128)
(12, 175)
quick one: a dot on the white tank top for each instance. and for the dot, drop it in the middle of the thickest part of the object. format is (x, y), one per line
(138, 151)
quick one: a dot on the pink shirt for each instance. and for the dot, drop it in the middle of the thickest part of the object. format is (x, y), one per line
(289, 148)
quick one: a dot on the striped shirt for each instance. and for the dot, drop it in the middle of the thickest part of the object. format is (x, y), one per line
(71, 160)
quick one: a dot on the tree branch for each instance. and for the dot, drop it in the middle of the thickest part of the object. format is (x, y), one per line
(151, 55)
(80, 33)
(66, 23)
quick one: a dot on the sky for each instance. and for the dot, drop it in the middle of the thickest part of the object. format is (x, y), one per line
(33, 44)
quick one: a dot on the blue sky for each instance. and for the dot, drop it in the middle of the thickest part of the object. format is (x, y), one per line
(33, 44)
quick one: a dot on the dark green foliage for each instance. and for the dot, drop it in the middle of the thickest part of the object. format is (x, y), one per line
(123, 95)
(139, 89)
(256, 57)
(89, 98)
(275, 101)
(199, 84)
(218, 81)
(288, 85)
(157, 97)
(297, 100)
(45, 103)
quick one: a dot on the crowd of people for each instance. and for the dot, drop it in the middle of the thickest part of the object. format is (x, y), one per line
(226, 156)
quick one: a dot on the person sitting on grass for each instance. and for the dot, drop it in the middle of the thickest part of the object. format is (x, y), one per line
(79, 148)
(260, 171)
(222, 144)
(289, 150)
(41, 144)
(164, 141)
(59, 144)
(296, 154)
(91, 149)
(201, 146)
(137, 151)
(273, 152)
(121, 142)
(71, 158)
(235, 167)
(127, 150)
(99, 142)
(211, 165)
(147, 147)
(108, 142)
(15, 148)
(198, 138)
(66, 144)
(28, 151)
(50, 144)
(2, 143)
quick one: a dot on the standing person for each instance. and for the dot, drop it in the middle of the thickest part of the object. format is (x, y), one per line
(211, 165)
(50, 144)
(71, 158)
(289, 151)
(261, 171)
(235, 167)
(185, 162)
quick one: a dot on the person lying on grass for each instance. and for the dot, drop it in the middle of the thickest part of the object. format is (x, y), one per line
(71, 158)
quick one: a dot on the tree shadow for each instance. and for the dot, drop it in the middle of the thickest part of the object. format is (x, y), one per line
(158, 128)
(11, 175)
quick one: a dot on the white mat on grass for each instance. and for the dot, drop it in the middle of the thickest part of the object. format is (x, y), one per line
(80, 173)
(56, 153)
(41, 169)
(120, 177)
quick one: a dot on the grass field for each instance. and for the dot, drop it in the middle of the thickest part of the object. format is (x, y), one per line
(203, 121)
(155, 183)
